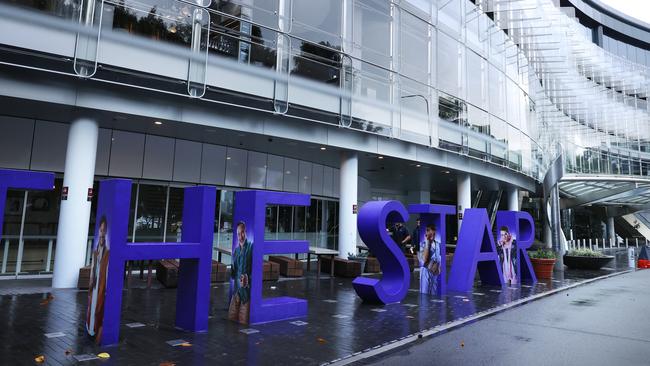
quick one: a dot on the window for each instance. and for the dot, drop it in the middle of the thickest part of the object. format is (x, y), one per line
(414, 47)
(318, 21)
(449, 65)
(371, 30)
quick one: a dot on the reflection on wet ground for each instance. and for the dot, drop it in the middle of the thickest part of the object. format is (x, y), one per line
(39, 321)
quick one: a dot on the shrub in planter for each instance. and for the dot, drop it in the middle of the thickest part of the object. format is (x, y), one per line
(361, 258)
(543, 261)
(586, 259)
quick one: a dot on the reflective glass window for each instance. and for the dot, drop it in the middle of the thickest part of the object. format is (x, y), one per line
(263, 12)
(414, 47)
(175, 215)
(371, 30)
(476, 80)
(318, 21)
(149, 225)
(449, 61)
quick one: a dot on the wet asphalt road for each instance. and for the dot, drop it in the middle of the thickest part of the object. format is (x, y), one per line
(603, 323)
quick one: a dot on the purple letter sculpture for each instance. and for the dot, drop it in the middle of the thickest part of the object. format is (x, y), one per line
(396, 274)
(522, 225)
(194, 252)
(436, 215)
(475, 249)
(250, 210)
(21, 179)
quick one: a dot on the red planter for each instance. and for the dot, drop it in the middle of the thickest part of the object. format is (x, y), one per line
(543, 267)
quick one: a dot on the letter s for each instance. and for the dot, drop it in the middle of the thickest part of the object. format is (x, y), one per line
(396, 274)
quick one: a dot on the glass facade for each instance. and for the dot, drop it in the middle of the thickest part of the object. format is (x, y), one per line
(31, 218)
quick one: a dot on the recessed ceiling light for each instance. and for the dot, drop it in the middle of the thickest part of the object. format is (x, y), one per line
(157, 123)
(380, 157)
(227, 157)
(288, 172)
(323, 148)
(417, 165)
(446, 171)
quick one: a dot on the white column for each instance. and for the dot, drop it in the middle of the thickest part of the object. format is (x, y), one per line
(611, 232)
(74, 216)
(513, 199)
(464, 195)
(348, 199)
(414, 197)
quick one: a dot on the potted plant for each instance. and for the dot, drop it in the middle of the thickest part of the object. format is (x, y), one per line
(586, 259)
(543, 261)
(361, 258)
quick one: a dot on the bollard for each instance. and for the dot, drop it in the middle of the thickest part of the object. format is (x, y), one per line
(590, 247)
(626, 242)
(596, 243)
(637, 242)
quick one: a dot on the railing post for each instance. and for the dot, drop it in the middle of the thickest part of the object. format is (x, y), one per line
(19, 257)
(49, 255)
(5, 256)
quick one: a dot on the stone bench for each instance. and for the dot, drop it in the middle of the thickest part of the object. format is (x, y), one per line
(167, 272)
(342, 267)
(271, 271)
(289, 267)
(372, 265)
(219, 272)
(84, 278)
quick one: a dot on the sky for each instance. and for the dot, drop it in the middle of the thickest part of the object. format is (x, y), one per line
(639, 9)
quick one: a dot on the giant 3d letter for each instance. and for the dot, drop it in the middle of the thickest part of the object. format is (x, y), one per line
(250, 212)
(522, 225)
(475, 249)
(20, 179)
(111, 251)
(435, 215)
(394, 284)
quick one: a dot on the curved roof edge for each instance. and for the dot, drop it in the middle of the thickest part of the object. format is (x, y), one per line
(614, 19)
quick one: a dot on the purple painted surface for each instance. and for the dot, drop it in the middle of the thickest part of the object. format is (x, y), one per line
(250, 208)
(194, 252)
(475, 249)
(21, 179)
(394, 284)
(436, 215)
(521, 224)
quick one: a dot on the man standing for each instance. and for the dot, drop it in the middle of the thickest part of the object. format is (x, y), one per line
(240, 273)
(430, 261)
(97, 288)
(401, 235)
(415, 237)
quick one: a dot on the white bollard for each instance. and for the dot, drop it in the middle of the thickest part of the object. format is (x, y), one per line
(590, 246)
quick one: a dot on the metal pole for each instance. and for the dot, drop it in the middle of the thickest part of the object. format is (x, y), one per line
(21, 242)
(49, 255)
(5, 256)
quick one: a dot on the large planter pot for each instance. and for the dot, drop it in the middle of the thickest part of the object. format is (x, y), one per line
(594, 263)
(543, 267)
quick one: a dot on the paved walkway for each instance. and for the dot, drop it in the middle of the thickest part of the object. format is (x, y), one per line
(606, 322)
(36, 320)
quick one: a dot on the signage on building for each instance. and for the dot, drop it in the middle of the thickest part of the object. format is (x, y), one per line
(90, 194)
(355, 209)
(64, 193)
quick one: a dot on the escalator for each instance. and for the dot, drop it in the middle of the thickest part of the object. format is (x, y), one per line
(489, 200)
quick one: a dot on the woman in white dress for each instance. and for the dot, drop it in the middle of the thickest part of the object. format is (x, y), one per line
(429, 258)
(509, 250)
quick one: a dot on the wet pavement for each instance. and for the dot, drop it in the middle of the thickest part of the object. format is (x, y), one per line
(37, 320)
(601, 323)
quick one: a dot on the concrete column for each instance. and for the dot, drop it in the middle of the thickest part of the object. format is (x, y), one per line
(349, 181)
(74, 215)
(611, 232)
(463, 195)
(513, 199)
(556, 228)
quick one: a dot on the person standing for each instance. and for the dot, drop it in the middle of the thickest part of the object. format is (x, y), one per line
(401, 236)
(508, 248)
(415, 237)
(240, 273)
(430, 261)
(97, 287)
